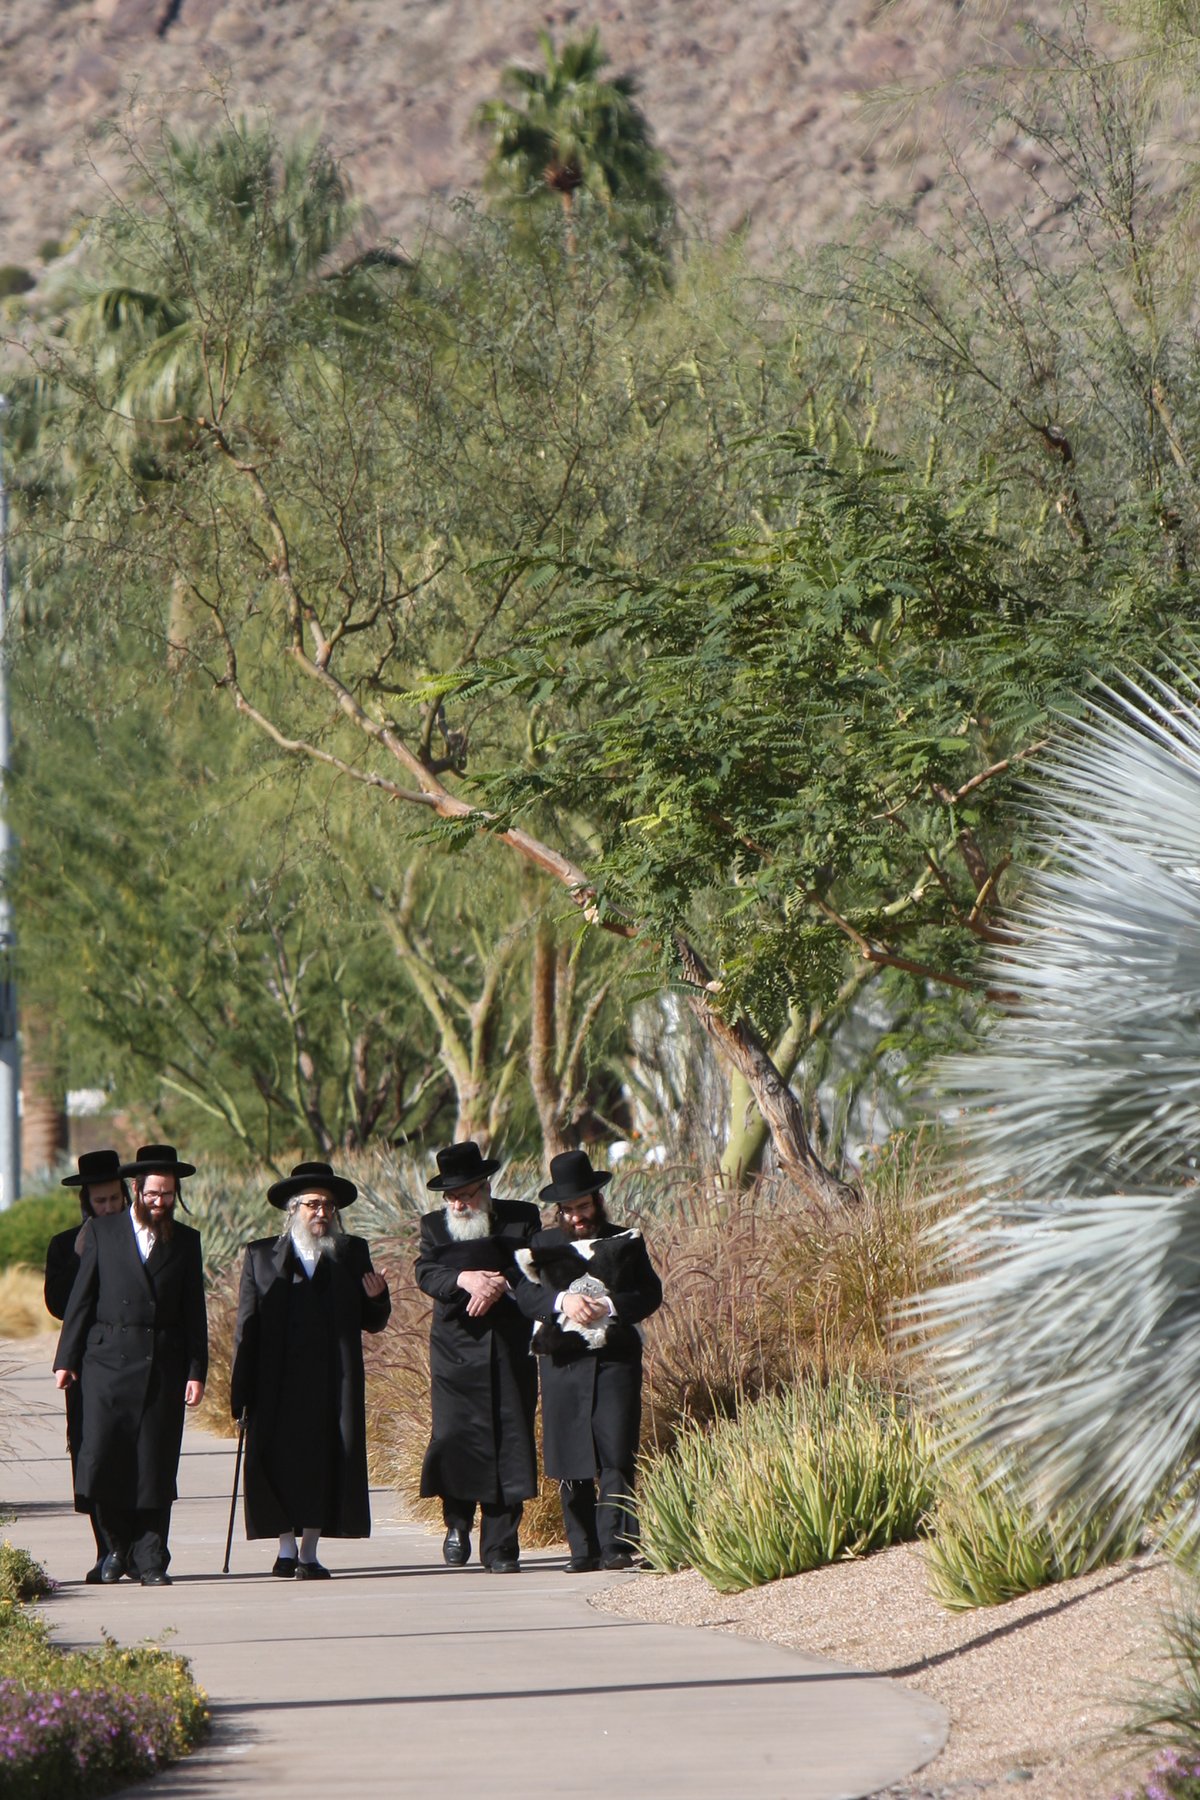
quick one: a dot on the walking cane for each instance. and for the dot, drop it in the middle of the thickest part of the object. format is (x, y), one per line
(237, 1470)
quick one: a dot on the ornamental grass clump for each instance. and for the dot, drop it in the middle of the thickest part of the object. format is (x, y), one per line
(989, 1545)
(809, 1476)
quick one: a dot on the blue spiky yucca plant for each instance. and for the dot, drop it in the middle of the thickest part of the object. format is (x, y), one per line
(1066, 1331)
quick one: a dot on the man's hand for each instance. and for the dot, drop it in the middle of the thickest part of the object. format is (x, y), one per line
(375, 1283)
(582, 1309)
(485, 1287)
(193, 1393)
(65, 1378)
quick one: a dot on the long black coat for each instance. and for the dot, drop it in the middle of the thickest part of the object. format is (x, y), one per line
(483, 1380)
(136, 1334)
(592, 1403)
(298, 1375)
(62, 1266)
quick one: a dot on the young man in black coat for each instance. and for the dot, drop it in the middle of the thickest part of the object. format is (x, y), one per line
(136, 1333)
(306, 1298)
(101, 1192)
(591, 1391)
(483, 1381)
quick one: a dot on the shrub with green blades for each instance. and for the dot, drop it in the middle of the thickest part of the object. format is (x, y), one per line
(800, 1479)
(989, 1544)
(27, 1227)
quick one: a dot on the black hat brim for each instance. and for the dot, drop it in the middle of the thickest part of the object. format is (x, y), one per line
(447, 1183)
(344, 1192)
(179, 1169)
(559, 1191)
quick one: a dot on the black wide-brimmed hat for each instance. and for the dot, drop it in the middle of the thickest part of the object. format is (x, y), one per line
(572, 1177)
(461, 1166)
(95, 1165)
(157, 1159)
(308, 1176)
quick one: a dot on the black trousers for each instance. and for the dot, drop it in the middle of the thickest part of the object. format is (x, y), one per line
(497, 1528)
(599, 1523)
(138, 1535)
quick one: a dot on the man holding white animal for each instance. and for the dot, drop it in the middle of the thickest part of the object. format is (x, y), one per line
(589, 1285)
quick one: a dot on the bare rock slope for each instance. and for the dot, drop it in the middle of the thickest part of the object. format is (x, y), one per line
(758, 105)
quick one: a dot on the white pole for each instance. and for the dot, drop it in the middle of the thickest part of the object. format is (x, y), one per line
(10, 1050)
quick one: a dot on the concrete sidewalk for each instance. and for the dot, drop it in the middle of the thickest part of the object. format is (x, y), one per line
(407, 1679)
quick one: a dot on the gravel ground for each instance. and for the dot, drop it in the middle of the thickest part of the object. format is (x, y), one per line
(1033, 1688)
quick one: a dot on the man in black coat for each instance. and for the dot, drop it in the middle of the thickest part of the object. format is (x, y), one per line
(136, 1332)
(101, 1192)
(306, 1298)
(483, 1380)
(592, 1395)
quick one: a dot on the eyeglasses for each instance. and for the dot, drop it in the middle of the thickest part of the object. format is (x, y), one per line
(319, 1206)
(468, 1193)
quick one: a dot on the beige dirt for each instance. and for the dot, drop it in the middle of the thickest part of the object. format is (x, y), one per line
(1035, 1689)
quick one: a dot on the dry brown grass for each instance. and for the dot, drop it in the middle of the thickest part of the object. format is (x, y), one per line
(22, 1306)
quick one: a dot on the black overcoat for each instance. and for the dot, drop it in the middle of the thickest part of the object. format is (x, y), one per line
(483, 1380)
(136, 1333)
(298, 1375)
(592, 1403)
(62, 1266)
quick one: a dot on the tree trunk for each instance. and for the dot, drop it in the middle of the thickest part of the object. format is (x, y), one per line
(44, 1131)
(745, 1052)
(748, 1134)
(543, 1044)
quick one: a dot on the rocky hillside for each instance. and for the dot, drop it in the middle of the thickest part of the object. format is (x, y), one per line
(758, 104)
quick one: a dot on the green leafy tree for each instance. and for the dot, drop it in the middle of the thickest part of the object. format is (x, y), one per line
(571, 137)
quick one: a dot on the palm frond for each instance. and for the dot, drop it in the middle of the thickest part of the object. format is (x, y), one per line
(1067, 1330)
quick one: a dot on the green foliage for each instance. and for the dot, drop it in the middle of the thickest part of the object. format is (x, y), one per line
(988, 1545)
(14, 280)
(1165, 1712)
(74, 1724)
(21, 1578)
(798, 1480)
(27, 1227)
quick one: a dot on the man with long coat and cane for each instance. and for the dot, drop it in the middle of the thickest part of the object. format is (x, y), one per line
(591, 1371)
(483, 1380)
(136, 1334)
(101, 1192)
(306, 1298)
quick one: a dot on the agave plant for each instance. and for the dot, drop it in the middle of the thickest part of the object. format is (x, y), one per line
(1066, 1331)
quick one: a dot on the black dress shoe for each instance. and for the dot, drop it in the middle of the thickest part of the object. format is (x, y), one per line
(582, 1565)
(95, 1575)
(112, 1568)
(313, 1571)
(285, 1566)
(156, 1578)
(617, 1559)
(456, 1547)
(503, 1565)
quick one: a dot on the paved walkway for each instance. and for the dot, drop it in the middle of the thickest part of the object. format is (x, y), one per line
(407, 1679)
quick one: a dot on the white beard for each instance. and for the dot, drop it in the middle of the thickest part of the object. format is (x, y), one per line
(463, 1227)
(305, 1240)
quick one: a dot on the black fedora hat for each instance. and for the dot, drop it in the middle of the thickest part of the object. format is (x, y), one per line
(306, 1177)
(95, 1165)
(461, 1165)
(572, 1177)
(158, 1159)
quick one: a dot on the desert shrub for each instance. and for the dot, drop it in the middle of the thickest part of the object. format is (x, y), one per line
(27, 1227)
(1165, 1713)
(988, 1545)
(14, 280)
(811, 1475)
(22, 1304)
(78, 1723)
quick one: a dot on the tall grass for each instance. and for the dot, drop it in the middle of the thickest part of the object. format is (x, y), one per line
(814, 1475)
(22, 1305)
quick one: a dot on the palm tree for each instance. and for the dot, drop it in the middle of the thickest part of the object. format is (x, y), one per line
(1068, 1332)
(568, 133)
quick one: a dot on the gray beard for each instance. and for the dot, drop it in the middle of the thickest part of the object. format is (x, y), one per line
(297, 1229)
(466, 1227)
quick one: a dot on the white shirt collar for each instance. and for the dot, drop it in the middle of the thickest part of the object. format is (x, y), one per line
(143, 1237)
